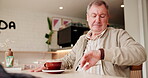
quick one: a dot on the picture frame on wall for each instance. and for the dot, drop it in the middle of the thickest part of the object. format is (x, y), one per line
(56, 23)
(65, 21)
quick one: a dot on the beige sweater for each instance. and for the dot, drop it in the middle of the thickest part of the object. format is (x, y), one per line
(121, 51)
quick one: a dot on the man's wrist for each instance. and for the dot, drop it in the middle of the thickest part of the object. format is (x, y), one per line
(102, 53)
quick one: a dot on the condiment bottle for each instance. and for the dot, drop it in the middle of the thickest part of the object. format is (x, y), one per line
(9, 58)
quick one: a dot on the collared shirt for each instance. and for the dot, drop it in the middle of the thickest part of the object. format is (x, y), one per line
(88, 35)
(94, 44)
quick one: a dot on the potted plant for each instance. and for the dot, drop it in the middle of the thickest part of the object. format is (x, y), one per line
(49, 35)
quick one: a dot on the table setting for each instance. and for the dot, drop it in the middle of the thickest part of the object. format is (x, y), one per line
(53, 70)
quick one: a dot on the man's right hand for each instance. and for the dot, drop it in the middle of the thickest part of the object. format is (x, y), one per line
(38, 69)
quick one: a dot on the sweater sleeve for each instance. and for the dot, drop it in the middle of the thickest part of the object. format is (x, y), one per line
(129, 52)
(69, 59)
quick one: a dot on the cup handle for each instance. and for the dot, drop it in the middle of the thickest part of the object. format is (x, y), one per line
(45, 65)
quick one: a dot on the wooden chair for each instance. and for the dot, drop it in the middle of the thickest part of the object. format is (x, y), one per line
(136, 71)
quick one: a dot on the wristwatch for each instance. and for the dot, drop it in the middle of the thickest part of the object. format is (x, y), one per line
(102, 53)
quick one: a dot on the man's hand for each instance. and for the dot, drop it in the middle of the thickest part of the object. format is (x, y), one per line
(91, 58)
(38, 69)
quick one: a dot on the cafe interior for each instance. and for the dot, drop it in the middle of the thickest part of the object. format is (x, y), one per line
(37, 31)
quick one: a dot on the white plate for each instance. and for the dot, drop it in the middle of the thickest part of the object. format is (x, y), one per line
(53, 71)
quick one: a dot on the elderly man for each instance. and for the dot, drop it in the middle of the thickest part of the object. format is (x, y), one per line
(103, 50)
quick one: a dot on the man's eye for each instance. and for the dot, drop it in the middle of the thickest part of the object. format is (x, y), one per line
(93, 15)
(102, 16)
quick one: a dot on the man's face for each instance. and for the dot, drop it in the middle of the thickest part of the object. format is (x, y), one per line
(97, 18)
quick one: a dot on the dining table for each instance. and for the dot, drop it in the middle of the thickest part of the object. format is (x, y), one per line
(65, 74)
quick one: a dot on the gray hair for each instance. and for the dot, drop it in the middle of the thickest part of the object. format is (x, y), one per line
(98, 3)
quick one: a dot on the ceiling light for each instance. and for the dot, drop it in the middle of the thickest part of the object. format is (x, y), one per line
(60, 7)
(122, 5)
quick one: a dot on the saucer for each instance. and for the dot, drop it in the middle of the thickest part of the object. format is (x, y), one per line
(53, 71)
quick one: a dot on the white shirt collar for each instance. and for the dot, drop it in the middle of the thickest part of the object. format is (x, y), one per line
(88, 35)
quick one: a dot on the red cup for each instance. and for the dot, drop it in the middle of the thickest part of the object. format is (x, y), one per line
(53, 65)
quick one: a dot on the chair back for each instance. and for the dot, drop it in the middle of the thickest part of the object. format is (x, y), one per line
(136, 71)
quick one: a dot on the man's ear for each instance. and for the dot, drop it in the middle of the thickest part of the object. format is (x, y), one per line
(108, 15)
(87, 17)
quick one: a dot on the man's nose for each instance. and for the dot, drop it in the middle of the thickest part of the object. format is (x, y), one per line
(98, 19)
